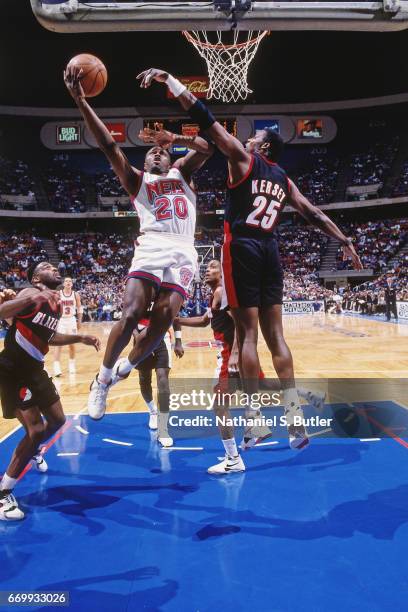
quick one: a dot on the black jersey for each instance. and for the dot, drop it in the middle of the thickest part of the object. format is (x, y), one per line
(28, 337)
(254, 203)
(222, 325)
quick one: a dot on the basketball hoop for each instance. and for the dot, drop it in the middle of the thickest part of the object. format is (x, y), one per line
(227, 63)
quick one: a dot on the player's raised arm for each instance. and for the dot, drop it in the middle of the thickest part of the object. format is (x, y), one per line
(315, 216)
(230, 146)
(128, 176)
(28, 298)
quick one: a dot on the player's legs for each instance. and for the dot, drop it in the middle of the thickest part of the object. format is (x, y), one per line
(146, 389)
(163, 389)
(71, 354)
(57, 361)
(137, 298)
(246, 328)
(270, 320)
(165, 309)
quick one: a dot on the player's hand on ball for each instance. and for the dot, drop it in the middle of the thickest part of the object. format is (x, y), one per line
(350, 251)
(91, 341)
(72, 80)
(163, 138)
(152, 74)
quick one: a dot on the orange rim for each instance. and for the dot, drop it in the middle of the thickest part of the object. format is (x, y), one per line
(221, 46)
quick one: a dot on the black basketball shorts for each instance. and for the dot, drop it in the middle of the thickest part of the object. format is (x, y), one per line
(24, 388)
(252, 272)
(160, 358)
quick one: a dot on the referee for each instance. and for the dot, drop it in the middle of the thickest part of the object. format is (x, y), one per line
(390, 297)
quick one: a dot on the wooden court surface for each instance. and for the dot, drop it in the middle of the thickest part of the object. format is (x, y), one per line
(323, 346)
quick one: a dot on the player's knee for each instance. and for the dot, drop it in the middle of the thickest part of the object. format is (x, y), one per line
(36, 433)
(163, 382)
(130, 319)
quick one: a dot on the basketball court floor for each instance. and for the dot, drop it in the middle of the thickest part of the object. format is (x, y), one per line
(121, 524)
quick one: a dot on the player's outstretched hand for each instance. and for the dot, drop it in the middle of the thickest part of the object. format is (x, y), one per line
(72, 80)
(6, 295)
(152, 74)
(160, 137)
(91, 341)
(350, 251)
(47, 295)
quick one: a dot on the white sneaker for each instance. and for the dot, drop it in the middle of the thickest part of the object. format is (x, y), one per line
(9, 510)
(298, 439)
(165, 440)
(39, 463)
(254, 435)
(98, 393)
(228, 465)
(153, 420)
(314, 398)
(57, 369)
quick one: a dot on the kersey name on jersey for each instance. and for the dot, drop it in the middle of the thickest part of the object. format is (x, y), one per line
(268, 187)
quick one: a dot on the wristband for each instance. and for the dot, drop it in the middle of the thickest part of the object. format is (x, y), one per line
(177, 335)
(175, 86)
(201, 115)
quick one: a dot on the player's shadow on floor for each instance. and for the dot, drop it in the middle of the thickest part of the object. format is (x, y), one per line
(380, 515)
(320, 456)
(84, 593)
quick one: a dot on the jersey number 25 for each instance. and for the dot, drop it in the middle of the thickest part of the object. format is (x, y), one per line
(263, 215)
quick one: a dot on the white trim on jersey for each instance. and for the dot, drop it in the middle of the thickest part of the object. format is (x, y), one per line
(28, 347)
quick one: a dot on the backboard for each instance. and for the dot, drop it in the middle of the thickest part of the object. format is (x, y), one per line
(221, 15)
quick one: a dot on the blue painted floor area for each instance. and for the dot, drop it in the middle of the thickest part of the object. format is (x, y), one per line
(138, 528)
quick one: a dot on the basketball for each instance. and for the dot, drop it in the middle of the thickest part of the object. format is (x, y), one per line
(94, 76)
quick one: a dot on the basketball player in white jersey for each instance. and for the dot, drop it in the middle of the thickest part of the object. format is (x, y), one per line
(69, 323)
(165, 259)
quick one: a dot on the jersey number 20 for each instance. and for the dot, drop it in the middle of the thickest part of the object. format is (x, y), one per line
(263, 215)
(164, 208)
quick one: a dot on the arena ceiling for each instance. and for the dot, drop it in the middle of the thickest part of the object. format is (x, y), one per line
(290, 66)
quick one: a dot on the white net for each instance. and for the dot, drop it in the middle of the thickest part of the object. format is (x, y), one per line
(227, 63)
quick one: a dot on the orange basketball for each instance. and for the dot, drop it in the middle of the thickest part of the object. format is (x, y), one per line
(94, 76)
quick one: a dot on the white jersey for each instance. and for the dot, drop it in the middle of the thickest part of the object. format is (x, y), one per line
(166, 204)
(68, 305)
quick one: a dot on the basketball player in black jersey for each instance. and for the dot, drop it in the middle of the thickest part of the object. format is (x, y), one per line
(258, 190)
(27, 392)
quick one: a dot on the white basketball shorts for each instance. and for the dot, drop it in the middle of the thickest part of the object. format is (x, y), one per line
(168, 261)
(67, 325)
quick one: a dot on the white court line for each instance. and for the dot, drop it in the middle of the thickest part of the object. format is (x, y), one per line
(183, 448)
(67, 454)
(267, 443)
(370, 439)
(78, 414)
(10, 433)
(319, 433)
(117, 442)
(82, 430)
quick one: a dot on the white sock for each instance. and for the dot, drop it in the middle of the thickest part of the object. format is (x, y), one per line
(291, 403)
(230, 447)
(105, 375)
(7, 483)
(57, 365)
(152, 407)
(125, 367)
(72, 363)
(162, 431)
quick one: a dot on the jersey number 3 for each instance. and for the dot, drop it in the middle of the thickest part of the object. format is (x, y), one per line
(263, 215)
(164, 208)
